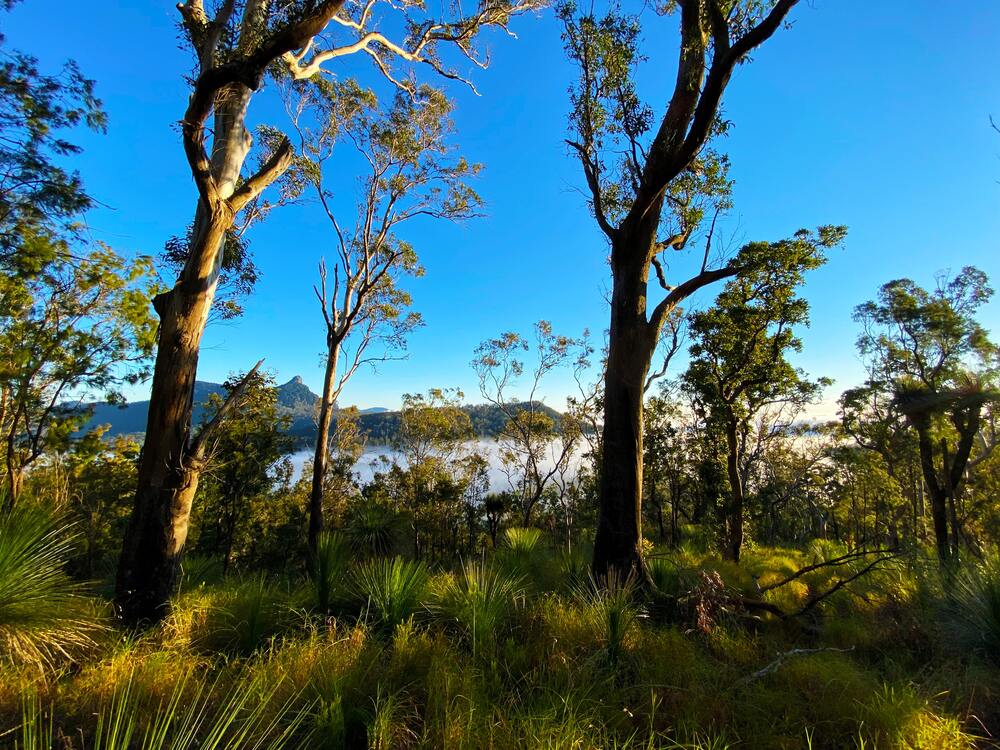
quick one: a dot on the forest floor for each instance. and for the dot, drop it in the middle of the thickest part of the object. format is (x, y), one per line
(520, 651)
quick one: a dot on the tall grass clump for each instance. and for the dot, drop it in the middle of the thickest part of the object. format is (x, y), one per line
(44, 614)
(479, 600)
(329, 565)
(372, 530)
(242, 617)
(245, 719)
(521, 541)
(612, 608)
(519, 552)
(391, 589)
(974, 607)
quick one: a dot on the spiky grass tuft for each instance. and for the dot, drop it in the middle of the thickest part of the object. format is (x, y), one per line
(479, 600)
(44, 615)
(391, 589)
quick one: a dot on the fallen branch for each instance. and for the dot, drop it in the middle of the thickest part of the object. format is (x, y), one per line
(773, 666)
(834, 563)
(762, 606)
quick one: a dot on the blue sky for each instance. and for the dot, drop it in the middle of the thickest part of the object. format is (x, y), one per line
(869, 114)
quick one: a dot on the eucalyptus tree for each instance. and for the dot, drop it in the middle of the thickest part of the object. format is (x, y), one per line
(653, 187)
(243, 463)
(927, 352)
(234, 48)
(411, 173)
(432, 431)
(667, 460)
(73, 319)
(41, 200)
(74, 330)
(739, 351)
(530, 440)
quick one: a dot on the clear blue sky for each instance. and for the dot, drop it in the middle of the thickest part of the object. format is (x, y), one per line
(869, 114)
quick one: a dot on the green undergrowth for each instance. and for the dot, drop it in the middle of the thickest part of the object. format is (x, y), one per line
(522, 650)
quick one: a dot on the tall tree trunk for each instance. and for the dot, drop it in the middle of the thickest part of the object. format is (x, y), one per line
(734, 517)
(321, 456)
(630, 349)
(168, 470)
(938, 494)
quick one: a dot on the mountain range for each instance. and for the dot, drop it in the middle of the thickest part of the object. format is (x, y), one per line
(298, 402)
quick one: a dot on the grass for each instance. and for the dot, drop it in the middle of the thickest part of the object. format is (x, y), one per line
(478, 602)
(44, 615)
(391, 589)
(475, 658)
(244, 719)
(974, 608)
(333, 555)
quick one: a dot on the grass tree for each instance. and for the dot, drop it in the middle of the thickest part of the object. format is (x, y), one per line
(234, 49)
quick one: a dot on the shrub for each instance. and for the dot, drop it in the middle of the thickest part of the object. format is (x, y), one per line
(328, 568)
(43, 613)
(392, 589)
(478, 601)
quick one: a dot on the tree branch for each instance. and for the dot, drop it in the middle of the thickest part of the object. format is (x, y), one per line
(199, 445)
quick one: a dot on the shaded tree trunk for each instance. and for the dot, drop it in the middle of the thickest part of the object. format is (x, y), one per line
(630, 349)
(734, 516)
(321, 455)
(168, 471)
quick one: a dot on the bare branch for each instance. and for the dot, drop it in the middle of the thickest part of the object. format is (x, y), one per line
(233, 401)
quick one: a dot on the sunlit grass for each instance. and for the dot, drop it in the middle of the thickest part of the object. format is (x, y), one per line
(44, 615)
(471, 658)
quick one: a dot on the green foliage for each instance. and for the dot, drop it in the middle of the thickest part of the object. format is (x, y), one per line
(246, 718)
(44, 615)
(242, 617)
(927, 337)
(329, 568)
(973, 609)
(81, 327)
(40, 201)
(521, 541)
(391, 589)
(236, 489)
(613, 607)
(372, 529)
(740, 344)
(479, 600)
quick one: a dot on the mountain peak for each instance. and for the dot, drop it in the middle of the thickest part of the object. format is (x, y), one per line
(297, 380)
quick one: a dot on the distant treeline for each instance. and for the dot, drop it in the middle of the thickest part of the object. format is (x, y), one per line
(379, 426)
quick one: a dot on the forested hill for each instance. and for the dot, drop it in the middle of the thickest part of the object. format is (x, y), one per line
(297, 401)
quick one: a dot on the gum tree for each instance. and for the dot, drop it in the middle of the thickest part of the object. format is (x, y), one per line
(739, 350)
(234, 49)
(652, 187)
(928, 354)
(533, 449)
(412, 174)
